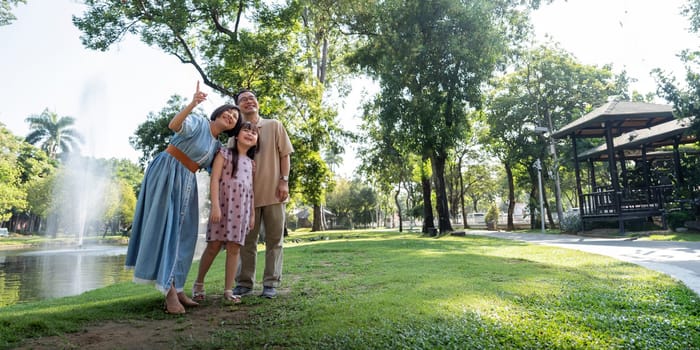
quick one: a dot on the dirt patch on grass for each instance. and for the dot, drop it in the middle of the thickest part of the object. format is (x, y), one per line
(172, 332)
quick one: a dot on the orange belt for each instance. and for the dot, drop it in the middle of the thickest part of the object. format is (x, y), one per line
(183, 158)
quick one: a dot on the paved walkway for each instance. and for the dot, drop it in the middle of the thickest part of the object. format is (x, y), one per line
(680, 260)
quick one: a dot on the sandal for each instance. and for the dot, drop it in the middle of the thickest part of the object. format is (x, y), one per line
(229, 296)
(198, 292)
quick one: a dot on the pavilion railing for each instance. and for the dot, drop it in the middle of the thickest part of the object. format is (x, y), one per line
(603, 202)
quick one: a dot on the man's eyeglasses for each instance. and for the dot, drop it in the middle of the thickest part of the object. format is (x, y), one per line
(238, 99)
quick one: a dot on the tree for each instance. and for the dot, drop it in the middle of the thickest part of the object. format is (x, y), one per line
(363, 200)
(128, 172)
(338, 202)
(34, 162)
(322, 47)
(353, 203)
(468, 169)
(685, 100)
(692, 11)
(383, 159)
(6, 16)
(39, 200)
(11, 194)
(244, 44)
(482, 185)
(56, 135)
(431, 58)
(119, 193)
(36, 174)
(152, 136)
(547, 88)
(127, 205)
(231, 44)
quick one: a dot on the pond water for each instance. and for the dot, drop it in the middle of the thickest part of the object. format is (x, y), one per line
(38, 274)
(32, 275)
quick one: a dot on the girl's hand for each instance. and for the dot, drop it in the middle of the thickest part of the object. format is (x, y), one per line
(251, 223)
(215, 215)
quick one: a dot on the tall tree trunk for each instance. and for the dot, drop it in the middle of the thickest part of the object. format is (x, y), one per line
(410, 203)
(324, 61)
(450, 188)
(428, 221)
(534, 201)
(438, 163)
(461, 193)
(511, 197)
(398, 207)
(545, 201)
(319, 222)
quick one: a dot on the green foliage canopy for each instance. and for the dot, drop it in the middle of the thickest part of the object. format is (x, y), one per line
(432, 59)
(11, 194)
(152, 136)
(269, 47)
(6, 16)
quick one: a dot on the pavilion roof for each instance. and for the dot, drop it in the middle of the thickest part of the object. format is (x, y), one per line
(623, 116)
(653, 137)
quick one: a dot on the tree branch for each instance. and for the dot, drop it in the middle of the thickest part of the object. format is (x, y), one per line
(214, 14)
(190, 59)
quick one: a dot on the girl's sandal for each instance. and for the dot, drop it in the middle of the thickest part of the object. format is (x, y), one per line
(229, 296)
(198, 292)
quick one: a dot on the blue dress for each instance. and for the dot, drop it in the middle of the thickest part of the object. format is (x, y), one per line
(164, 231)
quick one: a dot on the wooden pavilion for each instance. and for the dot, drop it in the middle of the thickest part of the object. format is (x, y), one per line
(633, 132)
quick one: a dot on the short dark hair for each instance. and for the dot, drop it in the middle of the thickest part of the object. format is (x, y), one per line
(226, 107)
(235, 97)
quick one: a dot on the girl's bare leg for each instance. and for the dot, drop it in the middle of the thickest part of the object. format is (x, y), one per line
(232, 252)
(208, 256)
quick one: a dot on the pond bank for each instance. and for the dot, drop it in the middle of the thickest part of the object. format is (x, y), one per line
(15, 242)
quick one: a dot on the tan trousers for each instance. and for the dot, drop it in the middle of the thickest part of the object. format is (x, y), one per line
(272, 219)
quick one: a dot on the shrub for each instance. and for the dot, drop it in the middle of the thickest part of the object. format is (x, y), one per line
(571, 222)
(491, 214)
(677, 219)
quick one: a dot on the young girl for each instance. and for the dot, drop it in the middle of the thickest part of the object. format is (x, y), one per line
(232, 210)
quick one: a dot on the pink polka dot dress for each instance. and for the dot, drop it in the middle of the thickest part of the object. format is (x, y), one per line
(236, 200)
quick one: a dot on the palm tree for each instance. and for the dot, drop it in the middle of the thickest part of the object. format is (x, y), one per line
(332, 157)
(53, 133)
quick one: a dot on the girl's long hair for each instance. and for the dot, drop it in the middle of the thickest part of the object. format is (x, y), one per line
(234, 148)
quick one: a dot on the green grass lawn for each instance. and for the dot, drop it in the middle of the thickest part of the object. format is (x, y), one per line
(675, 236)
(385, 290)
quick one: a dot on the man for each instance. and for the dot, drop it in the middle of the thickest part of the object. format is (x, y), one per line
(271, 191)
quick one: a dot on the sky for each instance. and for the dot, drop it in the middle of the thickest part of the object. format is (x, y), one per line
(44, 65)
